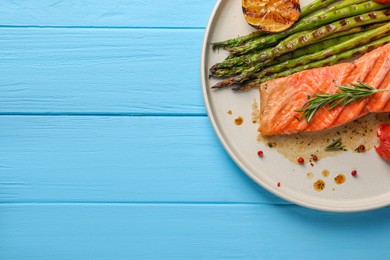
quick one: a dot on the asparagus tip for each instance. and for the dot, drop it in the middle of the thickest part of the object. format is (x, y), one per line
(225, 83)
(213, 69)
(216, 45)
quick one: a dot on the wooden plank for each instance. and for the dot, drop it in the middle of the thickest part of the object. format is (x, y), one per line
(100, 71)
(87, 231)
(119, 159)
(107, 13)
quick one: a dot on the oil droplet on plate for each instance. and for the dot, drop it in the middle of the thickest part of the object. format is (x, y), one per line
(339, 179)
(255, 112)
(239, 120)
(229, 112)
(325, 173)
(310, 175)
(319, 185)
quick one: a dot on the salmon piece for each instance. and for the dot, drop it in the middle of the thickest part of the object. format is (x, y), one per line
(366, 71)
(378, 101)
(325, 117)
(282, 97)
(283, 113)
(387, 107)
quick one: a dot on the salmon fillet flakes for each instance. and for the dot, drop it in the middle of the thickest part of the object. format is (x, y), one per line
(282, 97)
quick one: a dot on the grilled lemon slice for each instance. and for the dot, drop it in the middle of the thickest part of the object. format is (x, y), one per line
(271, 15)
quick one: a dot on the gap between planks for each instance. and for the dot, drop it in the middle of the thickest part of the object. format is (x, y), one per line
(103, 114)
(103, 27)
(151, 203)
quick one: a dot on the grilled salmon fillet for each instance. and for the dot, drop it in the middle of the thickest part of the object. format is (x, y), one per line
(282, 97)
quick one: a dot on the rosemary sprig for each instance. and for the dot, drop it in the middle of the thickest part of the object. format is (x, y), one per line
(346, 95)
(336, 145)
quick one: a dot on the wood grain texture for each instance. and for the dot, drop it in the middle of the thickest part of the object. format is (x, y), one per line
(119, 159)
(106, 151)
(106, 13)
(100, 71)
(123, 231)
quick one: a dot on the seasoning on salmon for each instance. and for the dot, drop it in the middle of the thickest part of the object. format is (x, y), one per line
(283, 97)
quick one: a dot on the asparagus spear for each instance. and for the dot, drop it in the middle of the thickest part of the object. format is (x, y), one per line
(325, 62)
(309, 9)
(315, 47)
(315, 5)
(236, 70)
(309, 23)
(355, 30)
(228, 72)
(335, 35)
(238, 41)
(327, 42)
(337, 5)
(359, 39)
(305, 38)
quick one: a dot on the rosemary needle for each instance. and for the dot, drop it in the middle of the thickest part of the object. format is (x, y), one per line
(346, 95)
(336, 145)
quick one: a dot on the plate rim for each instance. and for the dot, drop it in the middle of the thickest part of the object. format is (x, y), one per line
(234, 157)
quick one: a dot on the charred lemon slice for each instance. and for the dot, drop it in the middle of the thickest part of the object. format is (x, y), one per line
(271, 15)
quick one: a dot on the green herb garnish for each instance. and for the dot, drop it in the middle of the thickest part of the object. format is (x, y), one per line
(346, 95)
(336, 145)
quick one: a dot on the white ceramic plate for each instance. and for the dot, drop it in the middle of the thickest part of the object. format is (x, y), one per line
(370, 190)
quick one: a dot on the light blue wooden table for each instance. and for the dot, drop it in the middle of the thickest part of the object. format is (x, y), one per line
(106, 151)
